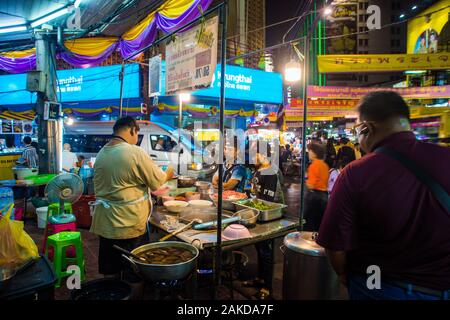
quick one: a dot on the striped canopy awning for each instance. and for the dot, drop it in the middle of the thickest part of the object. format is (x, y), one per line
(19, 115)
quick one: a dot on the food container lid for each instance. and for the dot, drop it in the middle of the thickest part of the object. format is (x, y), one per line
(305, 243)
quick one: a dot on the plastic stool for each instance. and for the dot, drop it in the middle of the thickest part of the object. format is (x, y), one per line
(54, 229)
(53, 208)
(60, 242)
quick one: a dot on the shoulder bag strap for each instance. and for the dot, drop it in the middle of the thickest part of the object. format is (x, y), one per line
(435, 187)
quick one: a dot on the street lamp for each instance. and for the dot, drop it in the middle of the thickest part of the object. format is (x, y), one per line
(182, 97)
(292, 71)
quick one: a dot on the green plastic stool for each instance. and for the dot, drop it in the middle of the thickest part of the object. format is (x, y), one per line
(53, 208)
(54, 216)
(60, 242)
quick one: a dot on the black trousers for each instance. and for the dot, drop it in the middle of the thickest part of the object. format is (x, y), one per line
(265, 261)
(110, 260)
(315, 205)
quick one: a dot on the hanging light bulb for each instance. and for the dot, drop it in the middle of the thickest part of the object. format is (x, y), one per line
(292, 71)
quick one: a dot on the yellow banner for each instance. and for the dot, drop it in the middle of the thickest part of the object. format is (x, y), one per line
(382, 62)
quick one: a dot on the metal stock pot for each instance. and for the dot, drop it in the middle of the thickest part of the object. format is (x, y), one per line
(164, 272)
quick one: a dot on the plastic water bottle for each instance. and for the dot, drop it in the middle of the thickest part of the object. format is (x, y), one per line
(6, 199)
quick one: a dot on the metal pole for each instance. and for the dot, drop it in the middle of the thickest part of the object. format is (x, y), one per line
(49, 132)
(305, 113)
(121, 76)
(180, 123)
(218, 259)
(306, 48)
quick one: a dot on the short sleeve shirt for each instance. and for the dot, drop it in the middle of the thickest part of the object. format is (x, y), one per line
(123, 173)
(240, 173)
(381, 214)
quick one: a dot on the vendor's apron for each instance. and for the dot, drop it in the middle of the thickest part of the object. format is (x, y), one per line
(110, 203)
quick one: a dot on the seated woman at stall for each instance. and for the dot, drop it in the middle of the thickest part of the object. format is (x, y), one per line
(236, 176)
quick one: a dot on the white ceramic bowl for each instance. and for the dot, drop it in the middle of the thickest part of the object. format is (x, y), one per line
(175, 206)
(235, 231)
(200, 203)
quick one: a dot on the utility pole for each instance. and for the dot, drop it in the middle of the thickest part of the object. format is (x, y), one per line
(49, 132)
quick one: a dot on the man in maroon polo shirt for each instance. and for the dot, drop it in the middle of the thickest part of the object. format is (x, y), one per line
(380, 215)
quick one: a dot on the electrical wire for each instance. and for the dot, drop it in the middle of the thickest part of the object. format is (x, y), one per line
(297, 39)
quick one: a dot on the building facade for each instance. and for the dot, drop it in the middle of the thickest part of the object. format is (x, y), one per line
(390, 39)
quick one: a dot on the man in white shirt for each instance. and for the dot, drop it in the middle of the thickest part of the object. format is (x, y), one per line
(69, 159)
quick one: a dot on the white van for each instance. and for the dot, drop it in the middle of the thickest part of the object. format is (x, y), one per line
(88, 137)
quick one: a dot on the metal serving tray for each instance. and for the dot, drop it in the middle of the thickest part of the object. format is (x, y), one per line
(264, 215)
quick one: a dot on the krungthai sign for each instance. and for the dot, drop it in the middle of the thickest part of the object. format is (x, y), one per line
(353, 63)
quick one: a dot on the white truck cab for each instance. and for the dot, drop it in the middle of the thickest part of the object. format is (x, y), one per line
(88, 137)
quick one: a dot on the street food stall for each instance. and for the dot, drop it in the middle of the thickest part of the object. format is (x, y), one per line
(245, 221)
(11, 135)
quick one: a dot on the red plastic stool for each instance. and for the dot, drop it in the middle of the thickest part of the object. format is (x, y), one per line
(57, 228)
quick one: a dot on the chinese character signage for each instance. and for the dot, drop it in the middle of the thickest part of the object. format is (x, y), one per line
(436, 92)
(382, 62)
(192, 57)
(320, 108)
(156, 76)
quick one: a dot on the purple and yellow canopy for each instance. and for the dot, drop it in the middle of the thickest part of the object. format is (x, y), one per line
(86, 52)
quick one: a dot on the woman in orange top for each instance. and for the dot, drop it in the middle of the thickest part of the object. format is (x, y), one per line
(316, 196)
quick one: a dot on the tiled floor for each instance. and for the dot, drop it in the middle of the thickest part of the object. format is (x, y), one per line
(90, 247)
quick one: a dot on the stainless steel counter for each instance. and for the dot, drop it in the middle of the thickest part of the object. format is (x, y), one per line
(204, 239)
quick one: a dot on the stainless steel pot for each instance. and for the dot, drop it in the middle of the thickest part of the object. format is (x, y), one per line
(307, 274)
(163, 272)
(248, 217)
(186, 182)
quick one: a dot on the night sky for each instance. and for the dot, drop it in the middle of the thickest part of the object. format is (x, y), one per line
(276, 11)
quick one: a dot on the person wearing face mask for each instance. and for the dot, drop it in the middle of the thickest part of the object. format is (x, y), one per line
(123, 174)
(390, 210)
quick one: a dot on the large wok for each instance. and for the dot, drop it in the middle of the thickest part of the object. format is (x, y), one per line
(163, 272)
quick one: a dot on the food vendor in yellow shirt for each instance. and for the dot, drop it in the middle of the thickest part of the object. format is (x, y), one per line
(123, 175)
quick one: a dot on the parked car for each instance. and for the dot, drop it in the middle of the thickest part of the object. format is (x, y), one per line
(87, 138)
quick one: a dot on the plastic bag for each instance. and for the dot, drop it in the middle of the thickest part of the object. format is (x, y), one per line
(16, 246)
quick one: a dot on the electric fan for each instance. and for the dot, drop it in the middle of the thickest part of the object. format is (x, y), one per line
(65, 188)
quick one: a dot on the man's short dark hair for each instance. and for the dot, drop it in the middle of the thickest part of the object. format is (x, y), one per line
(318, 149)
(125, 122)
(382, 105)
(27, 140)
